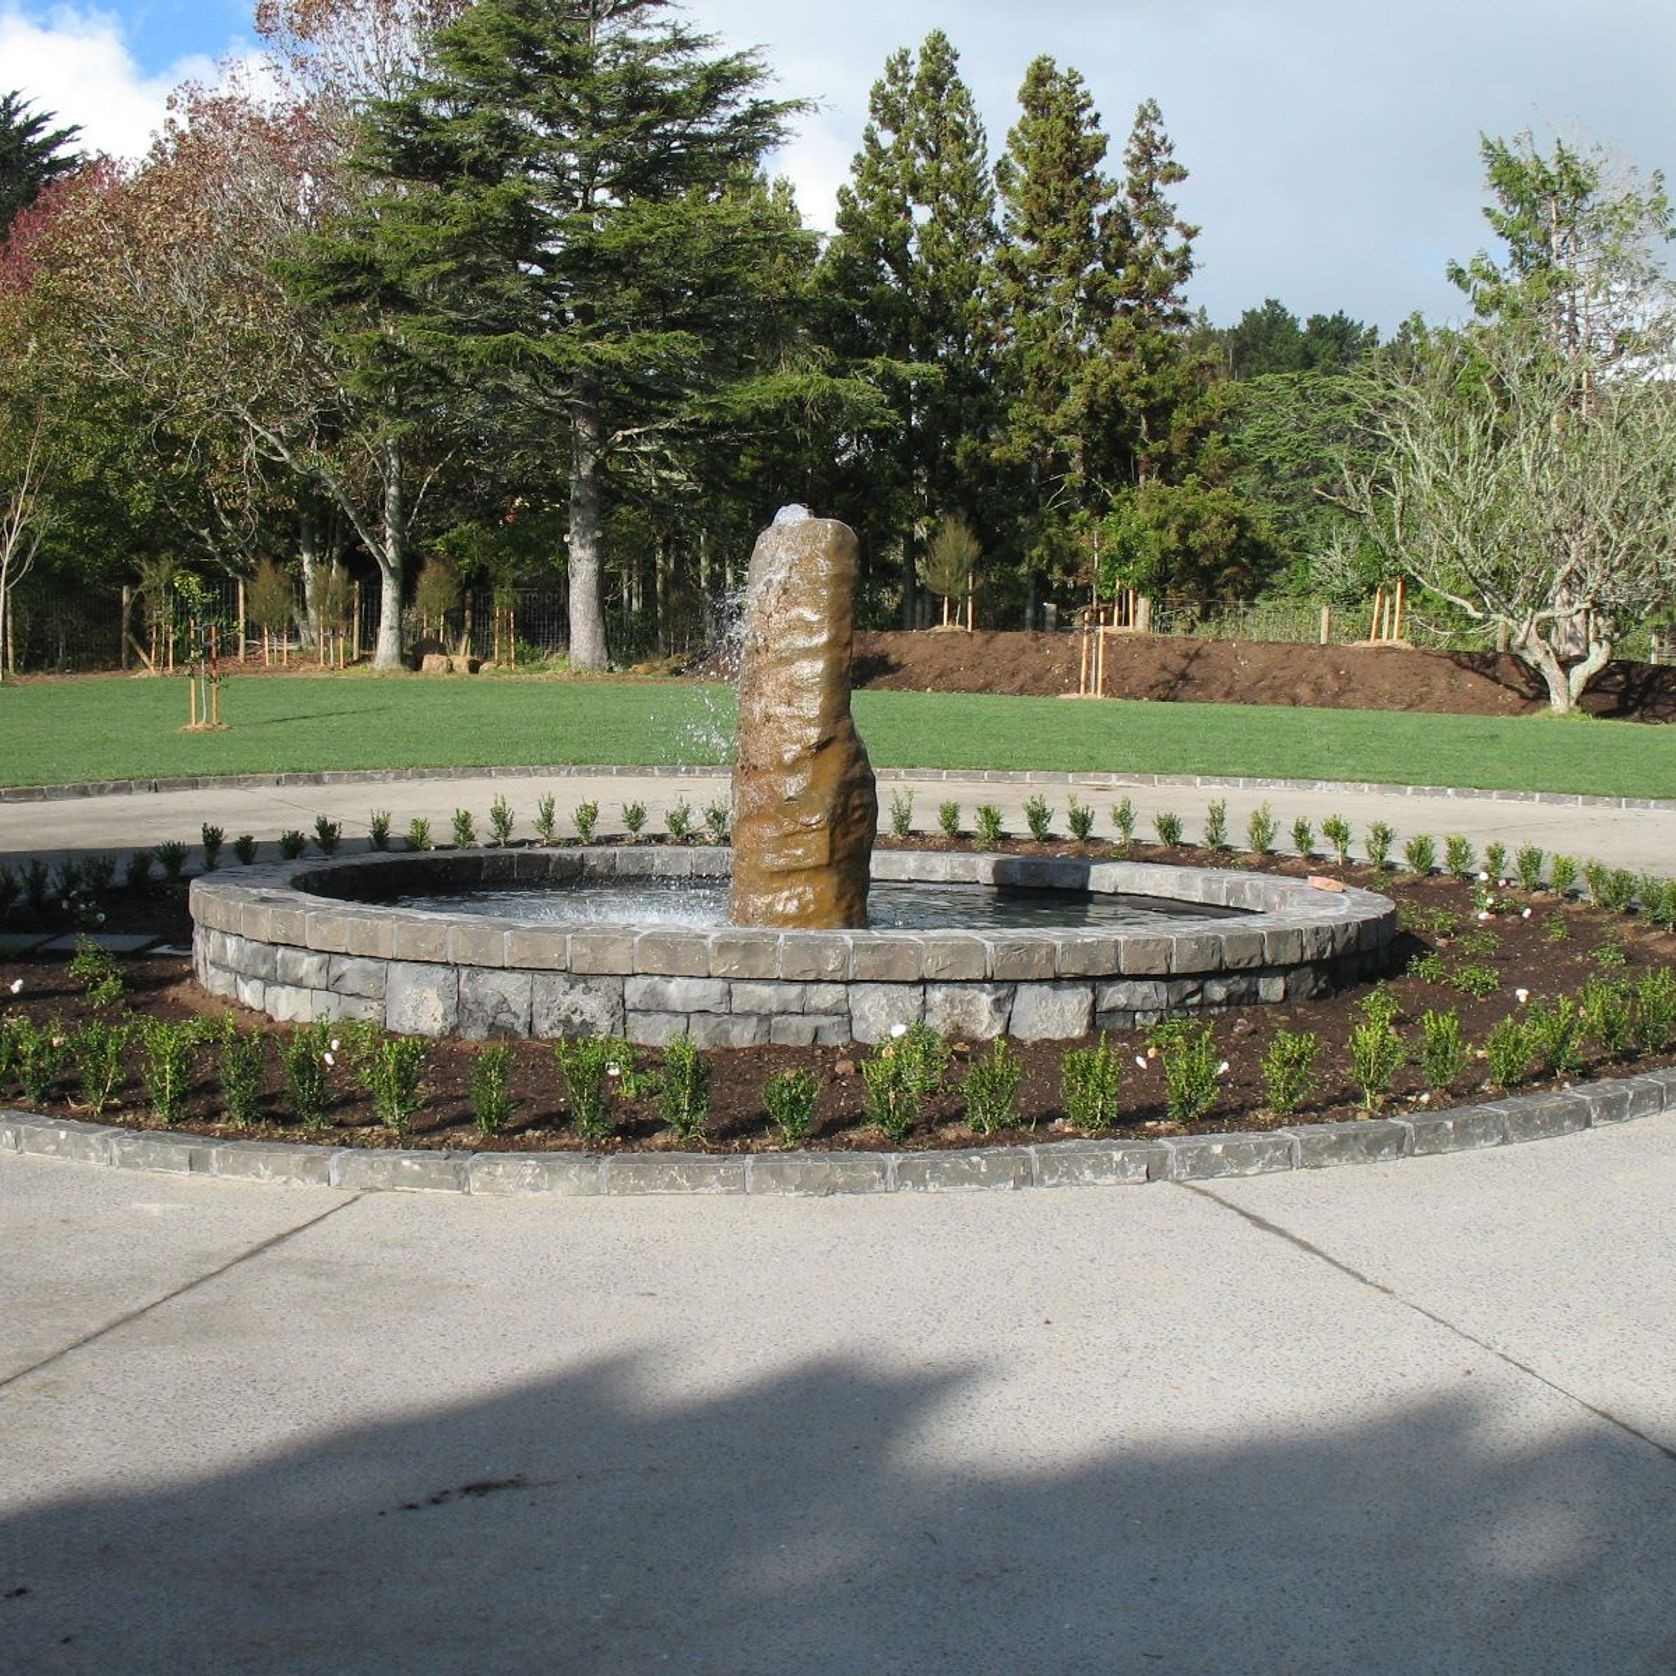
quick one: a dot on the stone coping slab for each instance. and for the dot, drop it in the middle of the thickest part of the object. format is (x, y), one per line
(1094, 779)
(1067, 1163)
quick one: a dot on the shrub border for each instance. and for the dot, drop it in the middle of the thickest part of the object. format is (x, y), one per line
(1068, 1163)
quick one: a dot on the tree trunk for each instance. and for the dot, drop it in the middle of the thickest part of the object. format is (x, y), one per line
(308, 619)
(1535, 651)
(392, 563)
(587, 604)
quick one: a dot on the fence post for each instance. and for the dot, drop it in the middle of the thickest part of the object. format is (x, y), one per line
(1326, 625)
(239, 654)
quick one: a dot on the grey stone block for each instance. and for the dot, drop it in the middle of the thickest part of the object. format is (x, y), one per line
(477, 943)
(294, 1166)
(422, 1000)
(330, 930)
(977, 1011)
(729, 1030)
(1464, 1129)
(1374, 1140)
(1282, 946)
(654, 1029)
(1052, 1012)
(673, 1172)
(1242, 950)
(538, 949)
(810, 1030)
(219, 981)
(770, 998)
(494, 1003)
(165, 1153)
(1207, 1157)
(567, 1005)
(826, 998)
(744, 954)
(327, 1006)
(814, 956)
(421, 940)
(1130, 995)
(676, 995)
(876, 1009)
(952, 957)
(570, 1174)
(818, 1175)
(1271, 987)
(1097, 1163)
(1195, 953)
(1619, 1100)
(1537, 1117)
(290, 1005)
(85, 1143)
(349, 975)
(251, 993)
(1143, 956)
(885, 959)
(301, 968)
(602, 951)
(1087, 957)
(370, 1170)
(974, 1170)
(252, 960)
(672, 954)
(1022, 959)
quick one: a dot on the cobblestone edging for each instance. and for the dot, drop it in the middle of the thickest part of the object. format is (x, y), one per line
(305, 941)
(1114, 780)
(1071, 1163)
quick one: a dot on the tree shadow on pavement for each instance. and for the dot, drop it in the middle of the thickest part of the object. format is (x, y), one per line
(806, 1525)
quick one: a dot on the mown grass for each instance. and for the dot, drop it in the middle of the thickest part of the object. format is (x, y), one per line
(51, 732)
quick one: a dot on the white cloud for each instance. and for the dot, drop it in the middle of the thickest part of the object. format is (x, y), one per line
(78, 66)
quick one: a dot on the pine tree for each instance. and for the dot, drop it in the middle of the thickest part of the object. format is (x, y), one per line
(904, 282)
(1160, 372)
(1054, 300)
(568, 227)
(33, 154)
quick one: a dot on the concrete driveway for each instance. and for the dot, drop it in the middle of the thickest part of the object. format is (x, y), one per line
(1405, 1419)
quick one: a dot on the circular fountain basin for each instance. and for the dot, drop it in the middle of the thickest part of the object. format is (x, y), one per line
(1039, 948)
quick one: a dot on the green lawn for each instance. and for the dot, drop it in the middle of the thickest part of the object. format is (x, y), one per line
(119, 729)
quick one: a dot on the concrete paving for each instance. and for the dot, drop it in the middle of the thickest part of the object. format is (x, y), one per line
(1639, 839)
(1405, 1419)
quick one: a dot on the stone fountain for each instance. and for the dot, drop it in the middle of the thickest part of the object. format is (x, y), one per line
(499, 942)
(804, 804)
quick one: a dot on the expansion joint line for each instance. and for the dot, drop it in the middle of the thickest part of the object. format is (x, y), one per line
(179, 1292)
(1448, 1326)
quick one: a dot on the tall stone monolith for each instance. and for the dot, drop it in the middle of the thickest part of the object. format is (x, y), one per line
(804, 804)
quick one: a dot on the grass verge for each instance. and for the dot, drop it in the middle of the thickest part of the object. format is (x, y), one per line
(109, 729)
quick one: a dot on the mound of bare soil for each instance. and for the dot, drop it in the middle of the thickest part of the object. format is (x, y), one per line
(1164, 668)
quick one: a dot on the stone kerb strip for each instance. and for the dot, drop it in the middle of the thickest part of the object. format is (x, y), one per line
(310, 941)
(1070, 1163)
(1092, 780)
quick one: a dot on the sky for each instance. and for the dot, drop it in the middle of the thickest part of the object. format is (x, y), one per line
(1332, 145)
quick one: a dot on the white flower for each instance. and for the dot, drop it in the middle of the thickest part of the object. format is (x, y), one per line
(335, 1044)
(613, 1071)
(1222, 1069)
(17, 985)
(100, 920)
(328, 1058)
(898, 1031)
(1425, 1099)
(1521, 996)
(1140, 1059)
(1483, 913)
(1483, 878)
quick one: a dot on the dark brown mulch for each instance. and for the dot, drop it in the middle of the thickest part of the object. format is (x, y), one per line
(1165, 668)
(1526, 957)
